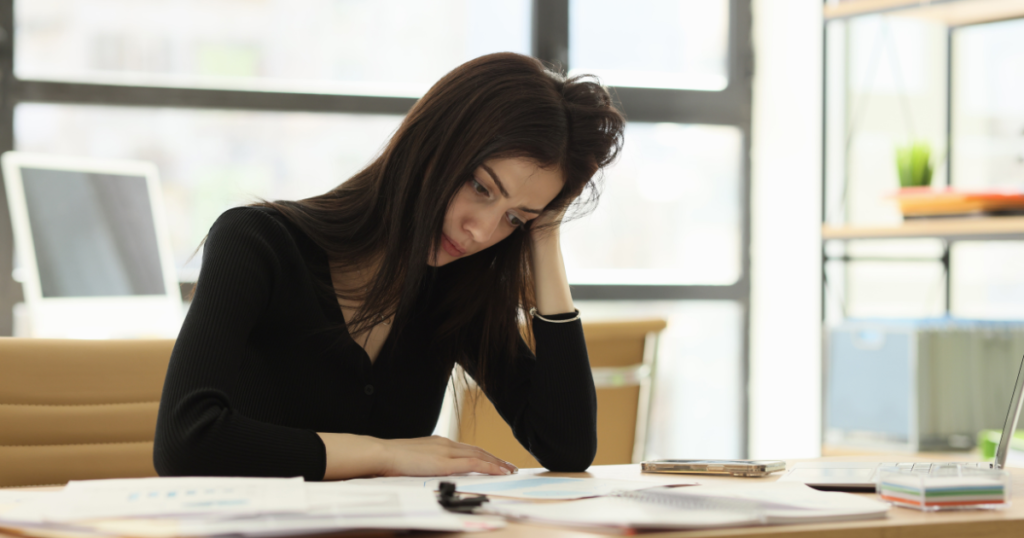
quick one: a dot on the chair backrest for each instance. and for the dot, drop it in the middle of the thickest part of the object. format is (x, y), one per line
(622, 358)
(78, 409)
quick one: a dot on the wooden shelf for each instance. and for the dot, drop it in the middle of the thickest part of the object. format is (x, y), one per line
(946, 228)
(949, 12)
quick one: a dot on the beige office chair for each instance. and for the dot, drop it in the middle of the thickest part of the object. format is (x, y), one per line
(622, 358)
(78, 409)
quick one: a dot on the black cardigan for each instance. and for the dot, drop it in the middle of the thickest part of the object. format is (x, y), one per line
(263, 362)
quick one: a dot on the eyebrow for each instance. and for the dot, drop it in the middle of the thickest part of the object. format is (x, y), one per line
(504, 192)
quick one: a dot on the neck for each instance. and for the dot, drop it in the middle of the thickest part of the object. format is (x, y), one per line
(353, 282)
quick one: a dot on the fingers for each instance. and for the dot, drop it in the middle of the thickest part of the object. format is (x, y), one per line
(462, 450)
(474, 465)
(435, 455)
(455, 449)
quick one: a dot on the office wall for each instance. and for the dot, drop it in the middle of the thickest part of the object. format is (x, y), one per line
(785, 354)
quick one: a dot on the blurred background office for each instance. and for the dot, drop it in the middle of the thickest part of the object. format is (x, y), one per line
(711, 219)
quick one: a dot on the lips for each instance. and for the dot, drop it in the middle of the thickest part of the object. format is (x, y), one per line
(451, 248)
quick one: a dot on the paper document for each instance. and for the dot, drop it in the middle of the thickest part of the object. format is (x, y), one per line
(621, 513)
(333, 507)
(16, 496)
(242, 507)
(524, 486)
(702, 507)
(792, 502)
(156, 497)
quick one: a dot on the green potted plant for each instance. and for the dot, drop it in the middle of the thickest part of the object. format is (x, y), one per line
(914, 163)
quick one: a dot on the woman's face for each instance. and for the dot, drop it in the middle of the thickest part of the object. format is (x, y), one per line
(500, 196)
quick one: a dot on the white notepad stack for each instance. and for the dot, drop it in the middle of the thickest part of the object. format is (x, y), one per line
(953, 488)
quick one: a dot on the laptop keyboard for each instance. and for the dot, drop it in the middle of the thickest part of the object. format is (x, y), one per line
(925, 468)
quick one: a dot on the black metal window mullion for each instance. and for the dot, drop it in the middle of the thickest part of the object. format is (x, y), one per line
(731, 106)
(10, 291)
(550, 39)
(39, 91)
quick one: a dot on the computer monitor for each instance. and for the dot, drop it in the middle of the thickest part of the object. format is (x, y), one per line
(92, 242)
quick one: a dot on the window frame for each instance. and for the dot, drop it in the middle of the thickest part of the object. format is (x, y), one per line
(550, 28)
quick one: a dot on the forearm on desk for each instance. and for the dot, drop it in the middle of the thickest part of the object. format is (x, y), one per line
(352, 456)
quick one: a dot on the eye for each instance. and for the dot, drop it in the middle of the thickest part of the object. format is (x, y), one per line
(515, 221)
(479, 188)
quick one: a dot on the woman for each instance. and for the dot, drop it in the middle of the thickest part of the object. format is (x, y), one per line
(323, 332)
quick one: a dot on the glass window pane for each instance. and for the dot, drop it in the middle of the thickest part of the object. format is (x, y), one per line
(888, 289)
(651, 43)
(373, 47)
(988, 112)
(892, 92)
(697, 407)
(987, 281)
(669, 211)
(211, 160)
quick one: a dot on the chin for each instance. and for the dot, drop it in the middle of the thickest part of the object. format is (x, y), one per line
(439, 260)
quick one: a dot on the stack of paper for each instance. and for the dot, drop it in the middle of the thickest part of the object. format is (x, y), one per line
(790, 502)
(619, 513)
(703, 507)
(942, 492)
(167, 507)
(527, 485)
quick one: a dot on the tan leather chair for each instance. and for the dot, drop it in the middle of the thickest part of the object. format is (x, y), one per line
(622, 358)
(78, 409)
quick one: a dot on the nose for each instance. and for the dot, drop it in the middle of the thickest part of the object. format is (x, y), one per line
(482, 225)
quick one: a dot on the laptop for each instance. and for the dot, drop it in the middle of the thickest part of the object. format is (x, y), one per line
(92, 248)
(861, 476)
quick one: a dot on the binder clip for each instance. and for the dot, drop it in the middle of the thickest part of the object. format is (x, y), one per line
(452, 502)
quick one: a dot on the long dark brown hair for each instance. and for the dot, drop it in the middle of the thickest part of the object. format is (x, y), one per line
(390, 215)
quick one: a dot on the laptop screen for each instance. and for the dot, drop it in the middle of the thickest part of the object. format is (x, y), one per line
(93, 234)
(1012, 416)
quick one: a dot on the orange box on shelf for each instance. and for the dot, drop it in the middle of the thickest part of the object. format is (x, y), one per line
(949, 202)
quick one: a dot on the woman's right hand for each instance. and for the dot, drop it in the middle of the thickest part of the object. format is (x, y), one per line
(351, 456)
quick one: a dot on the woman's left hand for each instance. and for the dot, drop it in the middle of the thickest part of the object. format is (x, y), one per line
(550, 282)
(546, 224)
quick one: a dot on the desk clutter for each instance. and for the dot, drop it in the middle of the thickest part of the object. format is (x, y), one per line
(264, 507)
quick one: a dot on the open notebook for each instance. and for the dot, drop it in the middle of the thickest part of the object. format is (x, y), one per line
(701, 507)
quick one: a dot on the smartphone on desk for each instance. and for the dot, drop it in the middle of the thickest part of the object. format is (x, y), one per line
(728, 467)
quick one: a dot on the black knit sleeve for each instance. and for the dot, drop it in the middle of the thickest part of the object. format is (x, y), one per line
(549, 399)
(198, 431)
